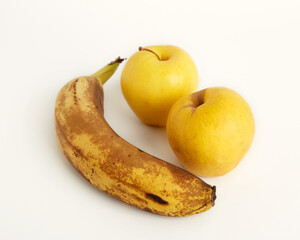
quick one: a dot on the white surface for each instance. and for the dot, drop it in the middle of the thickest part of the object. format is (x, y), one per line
(252, 47)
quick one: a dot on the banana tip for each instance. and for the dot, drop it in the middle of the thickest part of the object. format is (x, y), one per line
(213, 195)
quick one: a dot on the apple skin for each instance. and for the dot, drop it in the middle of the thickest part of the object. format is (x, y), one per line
(152, 83)
(210, 131)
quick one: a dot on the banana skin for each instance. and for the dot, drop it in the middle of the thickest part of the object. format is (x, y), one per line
(115, 166)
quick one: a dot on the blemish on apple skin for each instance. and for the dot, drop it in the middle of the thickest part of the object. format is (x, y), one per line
(193, 108)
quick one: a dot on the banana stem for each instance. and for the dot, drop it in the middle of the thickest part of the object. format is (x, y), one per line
(106, 72)
(117, 60)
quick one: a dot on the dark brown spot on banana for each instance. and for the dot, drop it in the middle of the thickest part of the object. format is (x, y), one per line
(74, 92)
(156, 198)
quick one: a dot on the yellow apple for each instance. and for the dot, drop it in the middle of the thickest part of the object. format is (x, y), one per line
(154, 78)
(210, 131)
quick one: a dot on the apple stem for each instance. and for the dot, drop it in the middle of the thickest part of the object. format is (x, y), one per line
(149, 50)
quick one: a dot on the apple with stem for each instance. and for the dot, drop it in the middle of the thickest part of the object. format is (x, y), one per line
(154, 78)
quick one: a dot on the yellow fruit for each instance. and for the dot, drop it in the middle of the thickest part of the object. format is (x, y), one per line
(210, 131)
(112, 164)
(154, 78)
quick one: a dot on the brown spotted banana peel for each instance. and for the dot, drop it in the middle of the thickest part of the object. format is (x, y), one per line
(115, 166)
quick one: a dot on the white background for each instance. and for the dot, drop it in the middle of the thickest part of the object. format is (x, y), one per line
(252, 47)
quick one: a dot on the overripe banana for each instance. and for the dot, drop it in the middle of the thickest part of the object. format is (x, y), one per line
(112, 164)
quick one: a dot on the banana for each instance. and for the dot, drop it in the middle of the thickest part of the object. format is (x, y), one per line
(115, 166)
